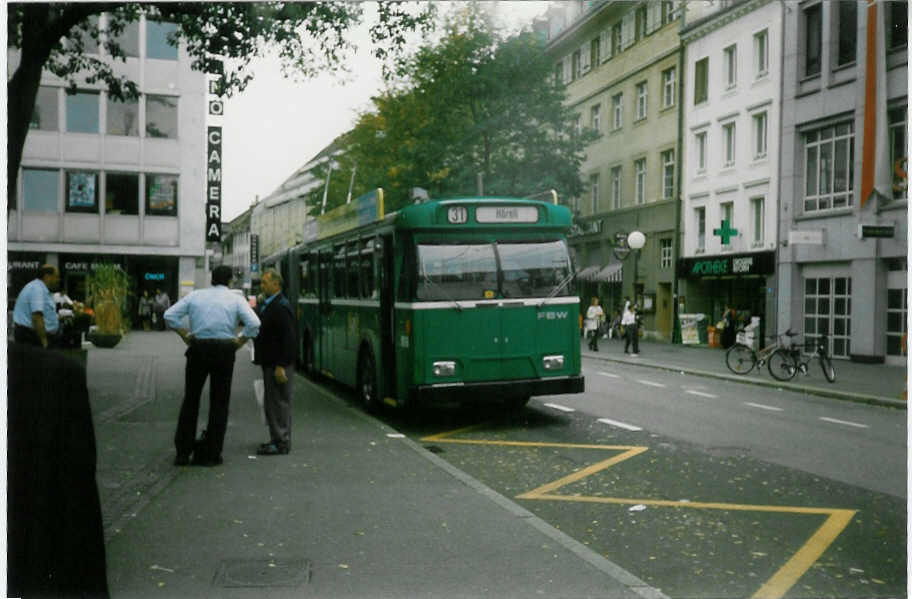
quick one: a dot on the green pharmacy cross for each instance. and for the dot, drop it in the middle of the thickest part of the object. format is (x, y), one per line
(725, 232)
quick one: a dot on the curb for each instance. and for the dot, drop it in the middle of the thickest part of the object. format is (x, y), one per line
(834, 394)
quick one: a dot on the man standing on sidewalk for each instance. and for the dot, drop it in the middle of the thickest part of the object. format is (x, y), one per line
(631, 330)
(214, 315)
(35, 313)
(275, 349)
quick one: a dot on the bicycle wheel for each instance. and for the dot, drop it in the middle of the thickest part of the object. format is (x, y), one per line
(740, 359)
(828, 370)
(782, 365)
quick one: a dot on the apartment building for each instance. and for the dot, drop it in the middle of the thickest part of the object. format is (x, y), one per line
(236, 250)
(731, 120)
(108, 181)
(843, 214)
(620, 62)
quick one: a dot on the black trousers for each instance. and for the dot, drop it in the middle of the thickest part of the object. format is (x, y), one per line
(26, 335)
(213, 359)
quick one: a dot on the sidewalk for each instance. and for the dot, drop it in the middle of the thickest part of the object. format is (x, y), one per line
(869, 383)
(354, 511)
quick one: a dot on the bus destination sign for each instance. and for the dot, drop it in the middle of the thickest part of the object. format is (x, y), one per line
(506, 214)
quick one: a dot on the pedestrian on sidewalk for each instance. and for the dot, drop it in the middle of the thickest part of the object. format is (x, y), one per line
(145, 310)
(214, 315)
(631, 329)
(729, 333)
(594, 317)
(161, 304)
(275, 349)
(35, 319)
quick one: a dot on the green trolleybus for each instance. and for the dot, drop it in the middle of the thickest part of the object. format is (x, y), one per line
(446, 299)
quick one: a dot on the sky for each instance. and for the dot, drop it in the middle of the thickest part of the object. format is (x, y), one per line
(276, 125)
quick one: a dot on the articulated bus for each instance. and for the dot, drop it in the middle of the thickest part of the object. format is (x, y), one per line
(466, 298)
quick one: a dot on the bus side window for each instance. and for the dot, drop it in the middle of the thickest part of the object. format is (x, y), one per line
(339, 271)
(352, 264)
(367, 268)
(407, 274)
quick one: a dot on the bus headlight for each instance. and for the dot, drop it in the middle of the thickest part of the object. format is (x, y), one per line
(444, 368)
(553, 362)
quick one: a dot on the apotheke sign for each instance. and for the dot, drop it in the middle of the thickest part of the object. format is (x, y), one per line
(757, 263)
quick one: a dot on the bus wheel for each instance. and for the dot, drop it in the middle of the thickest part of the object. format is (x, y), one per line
(367, 381)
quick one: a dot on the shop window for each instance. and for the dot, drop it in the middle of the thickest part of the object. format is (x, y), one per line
(161, 116)
(123, 117)
(81, 191)
(122, 193)
(161, 195)
(44, 116)
(82, 112)
(159, 42)
(40, 190)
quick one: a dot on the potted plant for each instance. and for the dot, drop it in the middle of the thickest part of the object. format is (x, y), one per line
(107, 288)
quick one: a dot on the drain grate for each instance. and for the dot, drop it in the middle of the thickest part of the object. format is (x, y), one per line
(262, 573)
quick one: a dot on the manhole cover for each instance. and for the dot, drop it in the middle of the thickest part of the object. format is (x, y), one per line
(262, 573)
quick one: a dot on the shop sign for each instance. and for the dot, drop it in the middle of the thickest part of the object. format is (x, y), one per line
(883, 231)
(806, 237)
(214, 185)
(757, 263)
(154, 276)
(23, 265)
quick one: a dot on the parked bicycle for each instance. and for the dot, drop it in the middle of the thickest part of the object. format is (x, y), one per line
(785, 363)
(741, 358)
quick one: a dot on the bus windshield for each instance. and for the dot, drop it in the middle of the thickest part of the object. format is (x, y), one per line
(470, 271)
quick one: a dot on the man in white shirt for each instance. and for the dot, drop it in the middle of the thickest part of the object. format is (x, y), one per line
(35, 314)
(631, 330)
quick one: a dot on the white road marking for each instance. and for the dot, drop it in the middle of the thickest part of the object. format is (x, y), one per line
(650, 383)
(702, 394)
(845, 422)
(614, 376)
(629, 427)
(762, 407)
(559, 407)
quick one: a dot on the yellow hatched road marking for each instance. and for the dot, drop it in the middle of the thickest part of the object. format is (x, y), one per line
(774, 588)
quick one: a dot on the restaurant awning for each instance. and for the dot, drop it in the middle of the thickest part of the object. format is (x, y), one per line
(588, 273)
(613, 273)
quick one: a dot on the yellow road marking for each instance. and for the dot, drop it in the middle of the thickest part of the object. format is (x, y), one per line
(774, 588)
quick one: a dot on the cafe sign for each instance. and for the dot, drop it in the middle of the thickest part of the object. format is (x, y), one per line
(756, 263)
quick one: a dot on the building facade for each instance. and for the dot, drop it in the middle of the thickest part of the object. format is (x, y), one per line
(620, 62)
(843, 238)
(236, 250)
(108, 181)
(731, 159)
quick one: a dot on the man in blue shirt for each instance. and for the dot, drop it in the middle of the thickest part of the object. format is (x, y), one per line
(214, 315)
(35, 315)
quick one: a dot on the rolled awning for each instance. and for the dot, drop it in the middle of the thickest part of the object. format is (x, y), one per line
(613, 273)
(588, 273)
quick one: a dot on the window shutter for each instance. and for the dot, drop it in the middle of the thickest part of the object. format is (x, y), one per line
(628, 35)
(585, 59)
(605, 45)
(654, 17)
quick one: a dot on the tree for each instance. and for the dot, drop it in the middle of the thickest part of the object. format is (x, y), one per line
(474, 102)
(310, 37)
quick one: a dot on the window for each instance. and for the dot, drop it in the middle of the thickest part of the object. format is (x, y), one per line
(616, 187)
(352, 268)
(848, 31)
(595, 55)
(122, 193)
(82, 112)
(39, 190)
(617, 110)
(641, 100)
(161, 195)
(641, 22)
(668, 88)
(758, 221)
(899, 158)
(161, 116)
(338, 271)
(730, 60)
(727, 211)
(44, 116)
(665, 254)
(533, 269)
(761, 54)
(578, 125)
(897, 16)
(700, 227)
(128, 40)
(594, 190)
(367, 268)
(760, 126)
(700, 139)
(81, 191)
(829, 156)
(897, 320)
(639, 169)
(813, 31)
(668, 171)
(617, 39)
(158, 44)
(456, 271)
(89, 43)
(728, 135)
(559, 73)
(575, 72)
(596, 117)
(668, 14)
(701, 80)
(123, 117)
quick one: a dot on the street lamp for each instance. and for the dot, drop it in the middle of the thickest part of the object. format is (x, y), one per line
(635, 241)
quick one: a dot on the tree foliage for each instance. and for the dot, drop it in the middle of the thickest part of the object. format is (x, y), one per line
(309, 36)
(473, 102)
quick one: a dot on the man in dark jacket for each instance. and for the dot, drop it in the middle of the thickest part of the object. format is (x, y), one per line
(275, 350)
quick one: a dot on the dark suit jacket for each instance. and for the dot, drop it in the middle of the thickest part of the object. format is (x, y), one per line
(277, 342)
(55, 535)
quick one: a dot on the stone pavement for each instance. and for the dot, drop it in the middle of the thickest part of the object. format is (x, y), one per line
(870, 383)
(355, 510)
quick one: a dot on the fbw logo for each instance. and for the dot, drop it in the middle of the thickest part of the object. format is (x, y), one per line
(552, 315)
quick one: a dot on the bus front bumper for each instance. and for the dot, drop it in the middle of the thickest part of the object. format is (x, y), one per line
(498, 389)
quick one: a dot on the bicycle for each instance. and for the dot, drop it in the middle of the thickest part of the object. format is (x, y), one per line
(741, 358)
(785, 363)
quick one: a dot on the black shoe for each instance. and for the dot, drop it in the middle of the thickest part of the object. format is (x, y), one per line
(182, 459)
(272, 449)
(206, 461)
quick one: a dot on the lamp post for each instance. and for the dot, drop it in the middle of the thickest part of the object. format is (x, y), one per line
(635, 241)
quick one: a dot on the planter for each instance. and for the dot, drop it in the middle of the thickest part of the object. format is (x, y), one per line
(105, 340)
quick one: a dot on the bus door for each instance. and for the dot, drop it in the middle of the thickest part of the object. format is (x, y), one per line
(387, 310)
(324, 310)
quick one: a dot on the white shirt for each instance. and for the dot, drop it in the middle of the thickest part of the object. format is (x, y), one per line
(214, 313)
(629, 317)
(593, 315)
